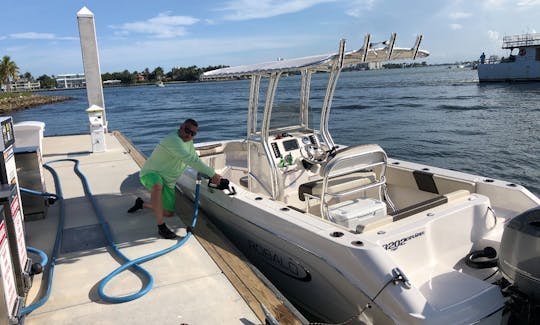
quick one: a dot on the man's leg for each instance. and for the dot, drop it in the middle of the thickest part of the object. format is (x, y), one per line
(160, 202)
(166, 203)
(157, 203)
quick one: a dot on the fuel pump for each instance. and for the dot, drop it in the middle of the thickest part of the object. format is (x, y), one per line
(10, 302)
(12, 207)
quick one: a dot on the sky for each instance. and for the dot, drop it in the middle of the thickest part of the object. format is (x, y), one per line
(42, 37)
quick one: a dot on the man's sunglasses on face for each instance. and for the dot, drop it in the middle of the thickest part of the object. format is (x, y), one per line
(189, 131)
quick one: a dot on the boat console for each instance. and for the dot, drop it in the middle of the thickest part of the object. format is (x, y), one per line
(290, 149)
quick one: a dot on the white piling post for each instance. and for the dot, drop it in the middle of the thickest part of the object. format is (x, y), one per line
(90, 56)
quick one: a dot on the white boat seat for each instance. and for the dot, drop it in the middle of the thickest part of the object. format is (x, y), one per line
(367, 224)
(337, 184)
(418, 207)
(350, 172)
(428, 204)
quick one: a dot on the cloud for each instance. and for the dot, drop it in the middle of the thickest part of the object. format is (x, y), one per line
(455, 26)
(510, 4)
(248, 9)
(39, 36)
(528, 3)
(203, 51)
(493, 35)
(162, 26)
(491, 4)
(357, 7)
(459, 15)
(32, 35)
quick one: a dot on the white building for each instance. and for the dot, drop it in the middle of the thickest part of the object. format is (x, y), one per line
(375, 65)
(71, 80)
(23, 84)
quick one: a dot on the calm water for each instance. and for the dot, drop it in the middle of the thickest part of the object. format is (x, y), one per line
(431, 115)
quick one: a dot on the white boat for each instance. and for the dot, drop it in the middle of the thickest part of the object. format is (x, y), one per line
(520, 65)
(346, 233)
(160, 84)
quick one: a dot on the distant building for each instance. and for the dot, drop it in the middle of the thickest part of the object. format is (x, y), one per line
(375, 65)
(24, 84)
(70, 81)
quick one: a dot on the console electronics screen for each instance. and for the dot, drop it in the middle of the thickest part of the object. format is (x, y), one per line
(289, 145)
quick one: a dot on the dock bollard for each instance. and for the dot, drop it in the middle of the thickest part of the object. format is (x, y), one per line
(97, 128)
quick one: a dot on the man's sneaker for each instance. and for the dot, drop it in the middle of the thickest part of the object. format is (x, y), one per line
(165, 232)
(137, 206)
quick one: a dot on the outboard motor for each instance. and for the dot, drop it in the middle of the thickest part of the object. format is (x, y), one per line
(519, 260)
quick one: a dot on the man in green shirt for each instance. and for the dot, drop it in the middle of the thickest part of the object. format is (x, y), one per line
(166, 163)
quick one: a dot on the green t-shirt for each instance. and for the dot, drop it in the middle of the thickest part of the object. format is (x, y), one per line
(171, 157)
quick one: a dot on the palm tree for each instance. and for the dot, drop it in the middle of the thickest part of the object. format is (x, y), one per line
(8, 69)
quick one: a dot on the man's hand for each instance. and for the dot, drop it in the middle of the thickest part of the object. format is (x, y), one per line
(216, 179)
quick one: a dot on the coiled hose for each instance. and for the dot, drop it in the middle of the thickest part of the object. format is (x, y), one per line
(128, 263)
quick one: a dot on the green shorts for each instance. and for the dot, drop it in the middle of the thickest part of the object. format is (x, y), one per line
(167, 193)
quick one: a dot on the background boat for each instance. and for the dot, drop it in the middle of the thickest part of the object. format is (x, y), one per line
(521, 64)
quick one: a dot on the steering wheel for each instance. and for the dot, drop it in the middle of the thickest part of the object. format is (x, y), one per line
(314, 154)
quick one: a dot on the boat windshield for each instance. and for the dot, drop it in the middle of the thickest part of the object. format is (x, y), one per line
(286, 111)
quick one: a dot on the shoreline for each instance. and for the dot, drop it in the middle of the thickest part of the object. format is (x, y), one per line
(23, 102)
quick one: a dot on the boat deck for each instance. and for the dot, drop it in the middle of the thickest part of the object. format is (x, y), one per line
(189, 287)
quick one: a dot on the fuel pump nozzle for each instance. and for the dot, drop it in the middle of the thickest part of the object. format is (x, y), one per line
(224, 184)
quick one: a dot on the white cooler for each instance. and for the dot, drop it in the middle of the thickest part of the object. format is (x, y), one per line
(356, 214)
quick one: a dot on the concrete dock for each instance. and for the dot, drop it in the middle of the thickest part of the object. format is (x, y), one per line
(189, 286)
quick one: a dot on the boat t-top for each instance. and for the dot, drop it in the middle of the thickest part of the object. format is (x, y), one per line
(350, 235)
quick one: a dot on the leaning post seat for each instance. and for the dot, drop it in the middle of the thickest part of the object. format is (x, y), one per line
(351, 170)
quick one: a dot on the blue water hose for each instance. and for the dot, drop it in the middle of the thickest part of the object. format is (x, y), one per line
(28, 309)
(128, 263)
(43, 257)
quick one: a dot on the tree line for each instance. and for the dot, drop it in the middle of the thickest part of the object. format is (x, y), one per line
(191, 73)
(9, 72)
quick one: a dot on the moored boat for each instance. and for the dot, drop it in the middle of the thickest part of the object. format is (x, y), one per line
(349, 234)
(523, 65)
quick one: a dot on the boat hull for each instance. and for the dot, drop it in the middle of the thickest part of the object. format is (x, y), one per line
(509, 72)
(305, 278)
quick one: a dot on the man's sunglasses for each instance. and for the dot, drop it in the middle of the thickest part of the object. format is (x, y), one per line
(189, 131)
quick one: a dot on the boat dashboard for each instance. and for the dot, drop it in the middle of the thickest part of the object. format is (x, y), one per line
(289, 149)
